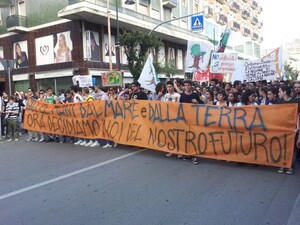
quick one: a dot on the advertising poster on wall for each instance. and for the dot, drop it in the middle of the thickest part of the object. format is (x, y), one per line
(1, 57)
(106, 49)
(54, 48)
(44, 50)
(21, 54)
(91, 47)
(63, 47)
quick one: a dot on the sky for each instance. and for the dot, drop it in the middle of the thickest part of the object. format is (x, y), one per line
(280, 22)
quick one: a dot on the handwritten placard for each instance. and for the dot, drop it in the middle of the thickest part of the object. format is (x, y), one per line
(222, 62)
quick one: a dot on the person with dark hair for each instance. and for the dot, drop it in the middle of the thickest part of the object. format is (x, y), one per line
(95, 49)
(296, 89)
(137, 94)
(228, 87)
(33, 136)
(214, 82)
(160, 91)
(263, 96)
(285, 95)
(178, 85)
(171, 95)
(12, 113)
(222, 98)
(190, 97)
(209, 97)
(273, 96)
(237, 88)
(232, 99)
(247, 98)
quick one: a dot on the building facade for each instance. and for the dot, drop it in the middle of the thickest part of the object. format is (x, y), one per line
(53, 40)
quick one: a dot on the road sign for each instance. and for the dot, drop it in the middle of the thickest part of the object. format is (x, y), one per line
(197, 23)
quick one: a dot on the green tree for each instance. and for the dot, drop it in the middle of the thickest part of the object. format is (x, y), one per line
(137, 45)
(168, 69)
(290, 72)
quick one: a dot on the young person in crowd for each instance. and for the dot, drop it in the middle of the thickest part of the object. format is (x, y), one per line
(137, 94)
(247, 98)
(12, 114)
(222, 98)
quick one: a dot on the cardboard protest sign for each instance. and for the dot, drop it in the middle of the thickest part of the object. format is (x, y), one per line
(83, 80)
(263, 69)
(251, 134)
(222, 62)
(113, 78)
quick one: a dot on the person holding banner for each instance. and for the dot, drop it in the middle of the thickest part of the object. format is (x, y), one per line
(190, 97)
(232, 99)
(51, 99)
(222, 98)
(273, 96)
(284, 94)
(137, 94)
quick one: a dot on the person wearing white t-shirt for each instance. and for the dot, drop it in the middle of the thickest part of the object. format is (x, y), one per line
(171, 96)
(76, 98)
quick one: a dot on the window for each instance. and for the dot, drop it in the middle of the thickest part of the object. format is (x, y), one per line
(22, 9)
(0, 17)
(145, 2)
(12, 10)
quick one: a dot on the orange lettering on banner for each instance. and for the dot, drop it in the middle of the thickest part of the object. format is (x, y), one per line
(253, 134)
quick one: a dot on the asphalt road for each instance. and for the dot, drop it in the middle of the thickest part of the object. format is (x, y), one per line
(63, 184)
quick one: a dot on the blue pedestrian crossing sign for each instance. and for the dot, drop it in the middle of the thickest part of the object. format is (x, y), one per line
(197, 23)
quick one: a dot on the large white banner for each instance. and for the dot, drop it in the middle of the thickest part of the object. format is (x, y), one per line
(223, 62)
(263, 69)
(198, 56)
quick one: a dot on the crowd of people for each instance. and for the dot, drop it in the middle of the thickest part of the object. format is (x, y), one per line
(175, 90)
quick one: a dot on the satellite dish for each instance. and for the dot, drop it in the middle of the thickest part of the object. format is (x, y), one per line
(4, 3)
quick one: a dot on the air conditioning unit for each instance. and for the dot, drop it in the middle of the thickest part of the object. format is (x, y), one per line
(208, 12)
(221, 19)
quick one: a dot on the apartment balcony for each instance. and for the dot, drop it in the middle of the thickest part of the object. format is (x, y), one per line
(246, 31)
(221, 19)
(261, 39)
(208, 12)
(254, 4)
(170, 4)
(245, 1)
(222, 1)
(16, 23)
(260, 24)
(245, 14)
(260, 9)
(235, 26)
(254, 36)
(235, 7)
(254, 20)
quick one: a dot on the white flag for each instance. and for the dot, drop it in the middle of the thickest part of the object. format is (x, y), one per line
(149, 78)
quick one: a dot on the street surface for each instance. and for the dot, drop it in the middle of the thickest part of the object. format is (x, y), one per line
(63, 184)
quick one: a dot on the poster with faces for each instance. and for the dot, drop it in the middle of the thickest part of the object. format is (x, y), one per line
(106, 49)
(21, 54)
(63, 47)
(91, 46)
(1, 57)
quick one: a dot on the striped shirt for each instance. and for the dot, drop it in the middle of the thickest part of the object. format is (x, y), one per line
(12, 107)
